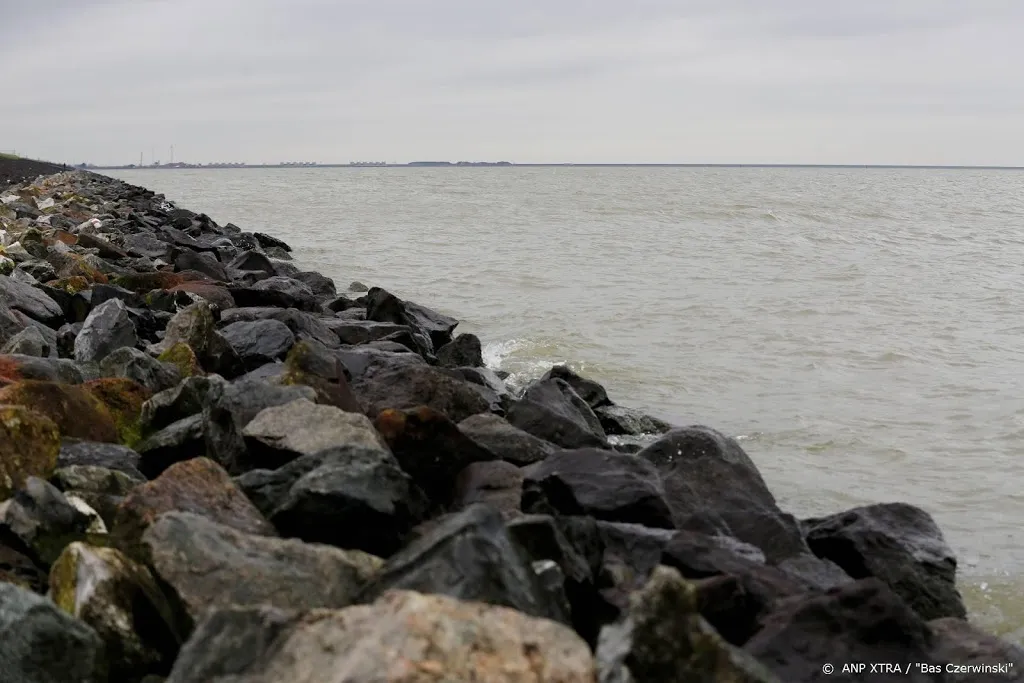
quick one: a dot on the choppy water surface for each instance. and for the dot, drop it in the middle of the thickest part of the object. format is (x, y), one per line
(862, 331)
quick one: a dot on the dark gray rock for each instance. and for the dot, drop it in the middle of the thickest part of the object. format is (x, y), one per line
(179, 441)
(897, 543)
(268, 241)
(505, 441)
(210, 565)
(30, 342)
(346, 496)
(603, 484)
(551, 410)
(957, 642)
(709, 477)
(66, 336)
(44, 520)
(410, 386)
(107, 329)
(468, 556)
(30, 301)
(302, 325)
(860, 622)
(40, 643)
(620, 420)
(202, 262)
(364, 360)
(496, 483)
(60, 370)
(590, 391)
(130, 363)
(93, 454)
(101, 293)
(279, 291)
(355, 332)
(385, 307)
(259, 342)
(147, 245)
(463, 351)
(252, 261)
(187, 398)
(321, 285)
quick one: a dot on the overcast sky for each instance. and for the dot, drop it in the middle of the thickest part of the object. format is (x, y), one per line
(728, 81)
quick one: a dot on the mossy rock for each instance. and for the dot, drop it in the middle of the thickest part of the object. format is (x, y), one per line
(298, 371)
(142, 283)
(71, 285)
(74, 265)
(181, 356)
(29, 445)
(123, 398)
(76, 412)
(6, 265)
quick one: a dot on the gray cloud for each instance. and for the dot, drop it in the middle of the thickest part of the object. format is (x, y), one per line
(879, 81)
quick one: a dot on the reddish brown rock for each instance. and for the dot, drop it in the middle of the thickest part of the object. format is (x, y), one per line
(75, 411)
(200, 486)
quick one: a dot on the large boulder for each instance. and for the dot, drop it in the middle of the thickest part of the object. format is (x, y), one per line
(355, 332)
(202, 262)
(199, 486)
(969, 655)
(664, 638)
(278, 291)
(282, 433)
(29, 444)
(75, 453)
(108, 328)
(210, 565)
(402, 637)
(497, 483)
(860, 622)
(898, 544)
(73, 408)
(505, 441)
(313, 365)
(30, 342)
(303, 325)
(346, 496)
(382, 306)
(551, 410)
(622, 421)
(463, 351)
(131, 363)
(40, 643)
(123, 604)
(15, 367)
(590, 391)
(259, 342)
(195, 326)
(430, 448)
(45, 520)
(30, 301)
(411, 386)
(603, 484)
(102, 489)
(469, 556)
(709, 479)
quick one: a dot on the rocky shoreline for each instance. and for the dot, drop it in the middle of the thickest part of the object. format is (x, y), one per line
(214, 466)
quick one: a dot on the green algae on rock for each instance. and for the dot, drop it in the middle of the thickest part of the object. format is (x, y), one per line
(29, 445)
(123, 399)
(181, 355)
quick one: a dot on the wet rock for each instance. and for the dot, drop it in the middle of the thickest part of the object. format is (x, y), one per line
(497, 483)
(320, 285)
(17, 566)
(209, 565)
(259, 342)
(76, 412)
(346, 496)
(44, 519)
(100, 488)
(463, 351)
(123, 399)
(198, 485)
(606, 485)
(410, 386)
(551, 410)
(130, 363)
(303, 325)
(252, 261)
(147, 245)
(404, 636)
(363, 361)
(107, 329)
(74, 453)
(356, 332)
(957, 642)
(175, 443)
(861, 622)
(30, 342)
(897, 543)
(430, 448)
(505, 441)
(39, 642)
(215, 295)
(590, 391)
(313, 365)
(469, 556)
(30, 301)
(383, 306)
(202, 262)
(620, 420)
(122, 603)
(664, 638)
(279, 291)
(268, 241)
(177, 403)
(66, 336)
(282, 433)
(708, 476)
(15, 367)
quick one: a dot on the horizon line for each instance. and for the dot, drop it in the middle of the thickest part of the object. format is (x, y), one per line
(488, 164)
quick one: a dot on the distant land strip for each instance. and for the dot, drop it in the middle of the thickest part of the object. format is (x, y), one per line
(507, 164)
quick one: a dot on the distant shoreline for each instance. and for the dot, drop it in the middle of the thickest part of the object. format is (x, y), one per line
(510, 165)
